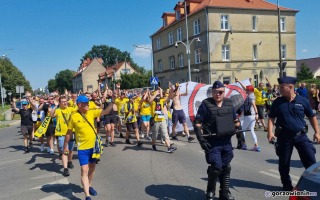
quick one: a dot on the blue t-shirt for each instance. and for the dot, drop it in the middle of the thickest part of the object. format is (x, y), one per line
(302, 92)
(290, 115)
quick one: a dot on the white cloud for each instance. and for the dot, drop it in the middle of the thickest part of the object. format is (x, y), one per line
(142, 51)
(305, 50)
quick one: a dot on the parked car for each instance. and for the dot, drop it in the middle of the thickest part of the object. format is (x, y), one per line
(309, 182)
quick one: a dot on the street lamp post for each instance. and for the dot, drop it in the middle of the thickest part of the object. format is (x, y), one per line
(188, 43)
(151, 54)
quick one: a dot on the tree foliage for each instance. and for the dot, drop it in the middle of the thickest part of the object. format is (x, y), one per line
(135, 80)
(111, 56)
(11, 77)
(62, 81)
(304, 73)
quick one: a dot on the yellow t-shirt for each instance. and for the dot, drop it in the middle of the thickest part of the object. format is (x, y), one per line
(120, 105)
(260, 100)
(130, 117)
(136, 104)
(62, 126)
(92, 105)
(157, 110)
(145, 108)
(72, 104)
(85, 135)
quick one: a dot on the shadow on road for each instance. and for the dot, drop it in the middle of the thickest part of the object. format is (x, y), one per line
(63, 190)
(164, 192)
(294, 163)
(255, 185)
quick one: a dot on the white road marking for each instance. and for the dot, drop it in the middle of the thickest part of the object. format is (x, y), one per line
(12, 161)
(277, 172)
(52, 174)
(66, 194)
(277, 176)
(63, 181)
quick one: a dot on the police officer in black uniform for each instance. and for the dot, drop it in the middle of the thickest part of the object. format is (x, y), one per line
(214, 125)
(291, 130)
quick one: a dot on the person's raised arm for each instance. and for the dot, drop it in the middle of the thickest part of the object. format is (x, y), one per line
(14, 100)
(237, 81)
(186, 93)
(53, 110)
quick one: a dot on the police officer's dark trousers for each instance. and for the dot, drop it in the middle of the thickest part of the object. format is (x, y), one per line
(219, 156)
(284, 148)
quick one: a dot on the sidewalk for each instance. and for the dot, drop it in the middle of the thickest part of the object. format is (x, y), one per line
(3, 124)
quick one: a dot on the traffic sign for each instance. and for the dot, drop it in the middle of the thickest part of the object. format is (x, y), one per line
(154, 80)
(19, 89)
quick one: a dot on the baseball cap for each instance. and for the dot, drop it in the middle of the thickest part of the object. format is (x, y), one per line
(24, 103)
(82, 99)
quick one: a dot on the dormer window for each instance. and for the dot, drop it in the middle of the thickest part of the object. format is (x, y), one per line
(165, 22)
(178, 15)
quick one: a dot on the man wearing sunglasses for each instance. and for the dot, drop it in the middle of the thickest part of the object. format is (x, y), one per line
(214, 125)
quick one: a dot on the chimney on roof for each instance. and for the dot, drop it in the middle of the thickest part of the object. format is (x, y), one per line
(249, 1)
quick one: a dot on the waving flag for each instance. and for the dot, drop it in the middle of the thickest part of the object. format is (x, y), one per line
(197, 92)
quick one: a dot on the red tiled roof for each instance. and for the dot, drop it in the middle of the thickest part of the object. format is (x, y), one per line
(109, 70)
(236, 4)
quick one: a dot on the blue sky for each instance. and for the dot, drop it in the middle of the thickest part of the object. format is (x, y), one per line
(48, 36)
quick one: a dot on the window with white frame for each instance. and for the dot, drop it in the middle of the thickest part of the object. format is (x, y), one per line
(282, 24)
(255, 80)
(284, 51)
(160, 67)
(171, 62)
(178, 14)
(226, 80)
(225, 52)
(197, 56)
(170, 38)
(254, 23)
(125, 71)
(180, 57)
(196, 27)
(179, 34)
(158, 43)
(255, 52)
(224, 22)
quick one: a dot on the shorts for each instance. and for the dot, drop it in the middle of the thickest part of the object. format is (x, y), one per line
(85, 157)
(132, 126)
(178, 115)
(260, 109)
(110, 119)
(26, 130)
(61, 143)
(162, 128)
(145, 118)
(50, 130)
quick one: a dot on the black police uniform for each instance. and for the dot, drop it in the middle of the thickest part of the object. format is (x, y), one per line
(291, 132)
(218, 128)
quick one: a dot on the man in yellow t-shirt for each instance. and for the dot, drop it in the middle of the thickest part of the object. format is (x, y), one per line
(261, 98)
(72, 102)
(82, 121)
(120, 102)
(131, 121)
(160, 124)
(62, 115)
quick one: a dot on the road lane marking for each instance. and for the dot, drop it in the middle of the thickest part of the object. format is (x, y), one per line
(277, 172)
(277, 176)
(60, 182)
(66, 194)
(52, 174)
(12, 161)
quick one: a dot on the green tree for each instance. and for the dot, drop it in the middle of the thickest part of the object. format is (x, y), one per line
(63, 80)
(11, 77)
(111, 56)
(304, 73)
(52, 85)
(135, 80)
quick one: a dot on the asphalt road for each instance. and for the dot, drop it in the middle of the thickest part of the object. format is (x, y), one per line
(137, 173)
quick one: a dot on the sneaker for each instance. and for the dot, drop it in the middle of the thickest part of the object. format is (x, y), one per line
(88, 198)
(139, 144)
(26, 149)
(154, 148)
(256, 148)
(51, 151)
(70, 165)
(112, 144)
(107, 143)
(42, 147)
(92, 191)
(142, 136)
(174, 138)
(121, 136)
(162, 141)
(244, 147)
(171, 149)
(190, 138)
(128, 141)
(183, 135)
(66, 172)
(148, 137)
(55, 142)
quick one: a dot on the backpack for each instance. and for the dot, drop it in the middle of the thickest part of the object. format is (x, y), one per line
(247, 106)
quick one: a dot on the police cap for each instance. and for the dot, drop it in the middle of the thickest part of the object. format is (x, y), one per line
(217, 84)
(287, 80)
